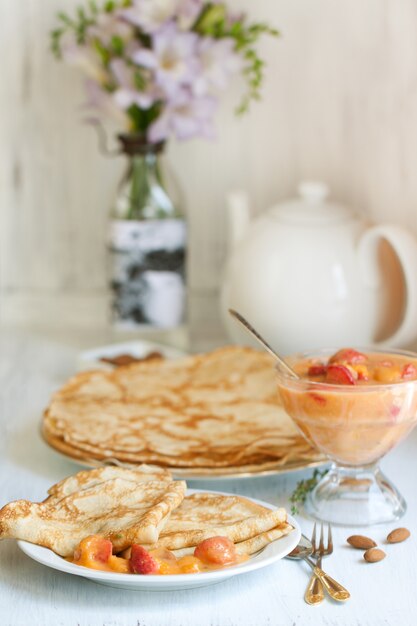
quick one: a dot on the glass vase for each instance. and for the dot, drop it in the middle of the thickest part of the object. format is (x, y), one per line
(147, 243)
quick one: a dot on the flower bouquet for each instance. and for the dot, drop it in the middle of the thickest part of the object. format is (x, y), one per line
(156, 68)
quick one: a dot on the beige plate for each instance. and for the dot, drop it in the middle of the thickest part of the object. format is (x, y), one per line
(201, 473)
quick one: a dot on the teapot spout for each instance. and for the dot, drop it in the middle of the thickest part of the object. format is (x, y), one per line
(239, 216)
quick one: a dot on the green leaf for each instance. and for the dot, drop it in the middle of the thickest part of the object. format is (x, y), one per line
(93, 7)
(139, 80)
(109, 6)
(56, 42)
(117, 45)
(143, 118)
(103, 53)
(63, 17)
(212, 20)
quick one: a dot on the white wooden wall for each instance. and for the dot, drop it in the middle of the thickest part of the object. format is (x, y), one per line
(340, 104)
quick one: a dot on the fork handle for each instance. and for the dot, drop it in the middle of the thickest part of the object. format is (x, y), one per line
(315, 592)
(333, 588)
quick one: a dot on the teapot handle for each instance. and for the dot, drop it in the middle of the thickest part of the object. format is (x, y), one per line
(405, 246)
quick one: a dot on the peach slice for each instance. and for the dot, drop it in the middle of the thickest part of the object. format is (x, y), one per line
(218, 550)
(93, 549)
(190, 564)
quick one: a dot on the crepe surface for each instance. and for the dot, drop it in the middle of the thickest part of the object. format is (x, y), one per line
(123, 510)
(204, 515)
(215, 410)
(91, 478)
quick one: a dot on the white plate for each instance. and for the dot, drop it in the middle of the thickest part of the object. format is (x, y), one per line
(273, 552)
(139, 349)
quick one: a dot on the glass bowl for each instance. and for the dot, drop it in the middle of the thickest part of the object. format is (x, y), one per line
(354, 426)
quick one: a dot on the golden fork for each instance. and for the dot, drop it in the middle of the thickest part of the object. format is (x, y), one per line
(315, 590)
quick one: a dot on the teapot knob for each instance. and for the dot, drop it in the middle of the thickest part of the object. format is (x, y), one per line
(313, 192)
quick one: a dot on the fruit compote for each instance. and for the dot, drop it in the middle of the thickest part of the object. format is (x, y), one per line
(354, 406)
(96, 552)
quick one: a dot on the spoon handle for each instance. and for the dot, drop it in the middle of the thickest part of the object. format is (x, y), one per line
(333, 588)
(261, 340)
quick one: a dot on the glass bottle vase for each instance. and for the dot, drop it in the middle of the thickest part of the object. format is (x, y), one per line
(147, 243)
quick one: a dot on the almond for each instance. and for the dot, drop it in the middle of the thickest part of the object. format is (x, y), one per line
(373, 555)
(360, 542)
(398, 535)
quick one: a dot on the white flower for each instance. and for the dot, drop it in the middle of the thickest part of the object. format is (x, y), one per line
(172, 58)
(150, 15)
(126, 92)
(185, 116)
(219, 63)
(188, 12)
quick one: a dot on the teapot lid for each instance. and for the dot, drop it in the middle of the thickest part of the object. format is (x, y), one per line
(311, 207)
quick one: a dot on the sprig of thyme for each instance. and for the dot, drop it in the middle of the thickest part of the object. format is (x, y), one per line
(303, 488)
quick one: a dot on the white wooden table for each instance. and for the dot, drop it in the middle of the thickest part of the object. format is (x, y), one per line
(31, 367)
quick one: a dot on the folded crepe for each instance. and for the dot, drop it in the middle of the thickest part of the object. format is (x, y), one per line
(122, 510)
(91, 478)
(143, 506)
(252, 545)
(203, 515)
(214, 410)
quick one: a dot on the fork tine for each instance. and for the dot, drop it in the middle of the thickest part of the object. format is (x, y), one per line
(329, 539)
(321, 546)
(313, 538)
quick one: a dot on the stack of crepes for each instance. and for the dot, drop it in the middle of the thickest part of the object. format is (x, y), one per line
(214, 412)
(142, 506)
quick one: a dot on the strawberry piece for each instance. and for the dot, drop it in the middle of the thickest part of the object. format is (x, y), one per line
(142, 562)
(348, 355)
(409, 371)
(340, 375)
(317, 370)
(218, 550)
(395, 410)
(317, 398)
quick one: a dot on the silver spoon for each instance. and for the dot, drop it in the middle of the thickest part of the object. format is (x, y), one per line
(303, 551)
(261, 340)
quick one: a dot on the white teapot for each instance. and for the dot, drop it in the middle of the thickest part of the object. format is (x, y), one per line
(310, 274)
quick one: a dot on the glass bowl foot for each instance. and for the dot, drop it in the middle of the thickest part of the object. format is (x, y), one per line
(352, 496)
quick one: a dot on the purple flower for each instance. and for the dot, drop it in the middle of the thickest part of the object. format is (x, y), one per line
(185, 116)
(218, 64)
(188, 12)
(172, 58)
(150, 15)
(126, 93)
